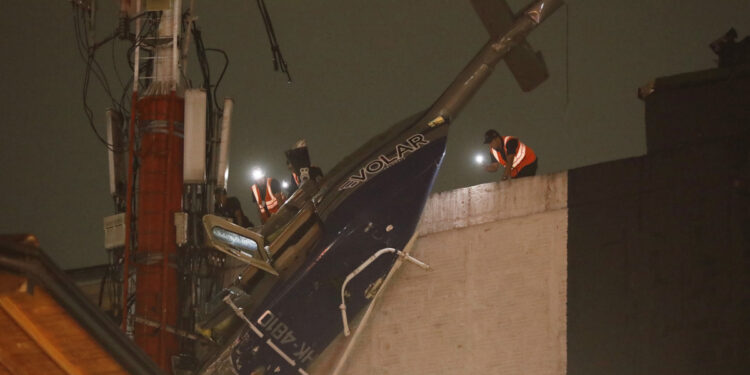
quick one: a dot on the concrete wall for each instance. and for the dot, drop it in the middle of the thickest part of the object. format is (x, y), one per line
(495, 301)
(654, 252)
(659, 246)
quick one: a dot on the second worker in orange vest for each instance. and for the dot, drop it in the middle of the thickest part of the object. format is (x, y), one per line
(269, 198)
(517, 159)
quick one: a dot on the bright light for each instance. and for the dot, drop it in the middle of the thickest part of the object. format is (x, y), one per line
(257, 174)
(284, 184)
(479, 159)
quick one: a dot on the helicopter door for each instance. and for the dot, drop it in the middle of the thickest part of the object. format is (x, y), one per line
(236, 241)
(292, 246)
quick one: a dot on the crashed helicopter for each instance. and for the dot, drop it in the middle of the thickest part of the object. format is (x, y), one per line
(323, 256)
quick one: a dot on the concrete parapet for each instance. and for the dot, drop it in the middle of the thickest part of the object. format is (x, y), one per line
(490, 202)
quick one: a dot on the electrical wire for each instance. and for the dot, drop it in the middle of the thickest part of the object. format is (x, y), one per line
(82, 22)
(87, 53)
(114, 67)
(212, 103)
(221, 76)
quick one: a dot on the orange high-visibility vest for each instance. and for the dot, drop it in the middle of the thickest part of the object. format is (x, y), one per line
(267, 205)
(524, 156)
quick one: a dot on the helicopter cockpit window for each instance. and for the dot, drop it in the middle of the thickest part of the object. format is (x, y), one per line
(277, 224)
(245, 245)
(238, 242)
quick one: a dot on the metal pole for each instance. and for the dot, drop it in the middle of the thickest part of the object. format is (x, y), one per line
(176, 19)
(131, 182)
(128, 214)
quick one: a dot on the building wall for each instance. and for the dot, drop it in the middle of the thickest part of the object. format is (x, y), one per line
(636, 266)
(659, 246)
(494, 302)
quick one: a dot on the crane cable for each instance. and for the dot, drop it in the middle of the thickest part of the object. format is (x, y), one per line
(278, 58)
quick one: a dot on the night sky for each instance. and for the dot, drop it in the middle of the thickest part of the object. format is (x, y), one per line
(358, 66)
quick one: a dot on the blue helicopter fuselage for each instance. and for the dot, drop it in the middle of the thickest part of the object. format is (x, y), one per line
(373, 204)
(372, 200)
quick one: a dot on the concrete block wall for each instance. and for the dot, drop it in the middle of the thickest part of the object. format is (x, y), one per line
(659, 245)
(654, 252)
(495, 301)
(658, 265)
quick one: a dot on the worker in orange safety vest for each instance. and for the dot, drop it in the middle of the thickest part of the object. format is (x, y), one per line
(517, 159)
(269, 198)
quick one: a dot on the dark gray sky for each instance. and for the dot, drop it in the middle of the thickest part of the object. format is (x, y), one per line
(358, 66)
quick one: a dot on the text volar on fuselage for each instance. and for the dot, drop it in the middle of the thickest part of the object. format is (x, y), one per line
(413, 143)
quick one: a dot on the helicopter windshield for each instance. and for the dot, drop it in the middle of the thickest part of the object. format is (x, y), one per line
(278, 223)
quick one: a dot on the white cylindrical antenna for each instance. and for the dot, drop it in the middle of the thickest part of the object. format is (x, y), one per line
(137, 57)
(176, 21)
(116, 155)
(226, 124)
(110, 153)
(194, 156)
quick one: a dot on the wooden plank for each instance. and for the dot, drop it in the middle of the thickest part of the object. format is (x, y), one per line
(11, 283)
(4, 370)
(63, 332)
(38, 336)
(66, 334)
(26, 354)
(10, 364)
